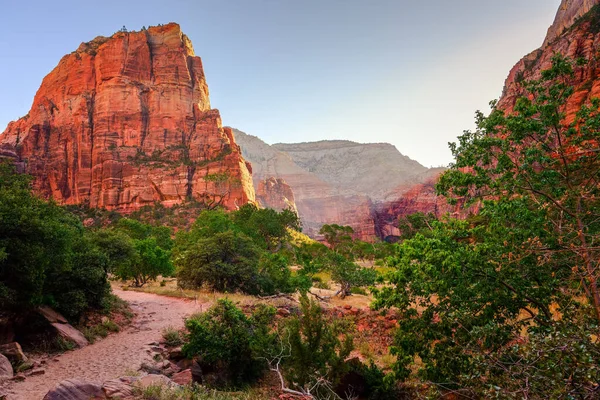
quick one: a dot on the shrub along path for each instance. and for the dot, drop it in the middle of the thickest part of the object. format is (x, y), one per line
(117, 354)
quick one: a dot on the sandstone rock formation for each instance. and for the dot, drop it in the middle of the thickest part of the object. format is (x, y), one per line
(125, 121)
(338, 181)
(418, 198)
(318, 202)
(6, 369)
(369, 169)
(568, 12)
(575, 39)
(275, 193)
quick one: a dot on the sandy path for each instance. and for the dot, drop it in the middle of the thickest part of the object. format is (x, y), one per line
(112, 357)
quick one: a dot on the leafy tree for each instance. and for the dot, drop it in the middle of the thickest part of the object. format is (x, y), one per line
(339, 238)
(411, 224)
(539, 153)
(45, 258)
(487, 300)
(348, 274)
(116, 246)
(226, 340)
(149, 261)
(139, 231)
(318, 349)
(266, 226)
(226, 261)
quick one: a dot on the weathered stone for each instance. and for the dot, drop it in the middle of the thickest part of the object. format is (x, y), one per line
(176, 354)
(150, 368)
(332, 182)
(36, 371)
(126, 121)
(567, 14)
(75, 389)
(6, 369)
(13, 352)
(20, 377)
(183, 377)
(68, 332)
(275, 193)
(52, 316)
(121, 388)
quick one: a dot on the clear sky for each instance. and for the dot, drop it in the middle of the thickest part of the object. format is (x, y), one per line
(408, 72)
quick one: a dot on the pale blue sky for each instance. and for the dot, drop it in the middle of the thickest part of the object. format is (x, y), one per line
(411, 73)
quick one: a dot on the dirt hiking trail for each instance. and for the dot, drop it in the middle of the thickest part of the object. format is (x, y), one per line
(118, 353)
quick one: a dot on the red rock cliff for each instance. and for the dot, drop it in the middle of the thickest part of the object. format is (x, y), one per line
(126, 121)
(575, 34)
(275, 193)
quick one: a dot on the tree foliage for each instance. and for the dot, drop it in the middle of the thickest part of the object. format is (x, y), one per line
(486, 301)
(225, 340)
(45, 255)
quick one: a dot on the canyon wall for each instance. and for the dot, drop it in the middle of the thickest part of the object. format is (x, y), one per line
(125, 121)
(345, 183)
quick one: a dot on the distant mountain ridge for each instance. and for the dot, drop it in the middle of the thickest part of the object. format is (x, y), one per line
(337, 181)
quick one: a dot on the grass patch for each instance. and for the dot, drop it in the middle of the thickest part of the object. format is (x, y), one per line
(172, 337)
(196, 392)
(101, 330)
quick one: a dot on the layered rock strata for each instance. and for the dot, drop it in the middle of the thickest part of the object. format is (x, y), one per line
(125, 121)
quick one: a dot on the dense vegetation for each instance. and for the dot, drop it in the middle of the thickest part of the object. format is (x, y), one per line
(505, 303)
(46, 257)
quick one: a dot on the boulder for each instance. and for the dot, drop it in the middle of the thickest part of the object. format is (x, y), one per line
(75, 389)
(120, 388)
(13, 352)
(6, 369)
(183, 377)
(68, 332)
(176, 354)
(52, 316)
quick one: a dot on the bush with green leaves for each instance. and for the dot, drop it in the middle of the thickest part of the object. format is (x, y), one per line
(505, 304)
(226, 262)
(318, 349)
(232, 252)
(227, 341)
(45, 256)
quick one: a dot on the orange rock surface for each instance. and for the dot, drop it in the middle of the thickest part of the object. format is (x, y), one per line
(275, 193)
(126, 121)
(573, 38)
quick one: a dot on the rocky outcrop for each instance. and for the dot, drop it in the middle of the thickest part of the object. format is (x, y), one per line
(76, 389)
(367, 169)
(125, 121)
(568, 12)
(6, 369)
(418, 198)
(334, 182)
(318, 202)
(275, 193)
(577, 39)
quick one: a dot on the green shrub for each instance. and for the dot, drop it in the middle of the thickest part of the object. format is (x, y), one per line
(228, 342)
(318, 347)
(45, 258)
(226, 262)
(172, 337)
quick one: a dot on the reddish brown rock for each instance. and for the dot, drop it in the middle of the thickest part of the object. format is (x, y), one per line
(567, 14)
(572, 38)
(183, 378)
(275, 193)
(126, 121)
